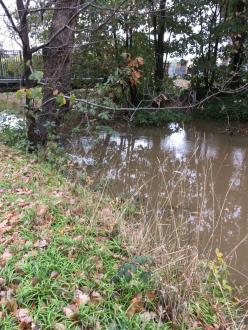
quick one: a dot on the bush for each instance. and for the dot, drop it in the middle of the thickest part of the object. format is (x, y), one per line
(15, 137)
(223, 108)
(160, 117)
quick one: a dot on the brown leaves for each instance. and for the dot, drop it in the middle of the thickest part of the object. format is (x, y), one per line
(71, 311)
(5, 257)
(41, 243)
(134, 65)
(138, 304)
(42, 210)
(5, 227)
(23, 191)
(55, 92)
(80, 299)
(24, 318)
(22, 315)
(136, 62)
(199, 324)
(107, 219)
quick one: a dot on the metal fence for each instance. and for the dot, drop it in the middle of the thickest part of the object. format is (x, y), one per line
(11, 64)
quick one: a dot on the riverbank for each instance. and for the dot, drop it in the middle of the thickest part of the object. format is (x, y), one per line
(231, 111)
(70, 261)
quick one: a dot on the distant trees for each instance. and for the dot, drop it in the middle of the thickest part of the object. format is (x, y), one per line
(239, 35)
(96, 33)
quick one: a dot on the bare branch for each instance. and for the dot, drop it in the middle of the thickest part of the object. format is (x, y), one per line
(8, 14)
(35, 49)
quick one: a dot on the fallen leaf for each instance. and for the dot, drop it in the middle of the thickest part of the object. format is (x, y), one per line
(24, 191)
(41, 244)
(136, 305)
(34, 281)
(81, 298)
(54, 274)
(95, 297)
(79, 238)
(2, 281)
(6, 256)
(23, 317)
(42, 210)
(148, 316)
(151, 295)
(22, 203)
(107, 219)
(70, 311)
(59, 326)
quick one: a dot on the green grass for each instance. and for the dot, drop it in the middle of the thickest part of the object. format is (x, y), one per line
(60, 238)
(81, 255)
(9, 103)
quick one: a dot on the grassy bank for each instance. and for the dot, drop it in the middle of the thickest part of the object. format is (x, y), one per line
(70, 261)
(9, 103)
(61, 258)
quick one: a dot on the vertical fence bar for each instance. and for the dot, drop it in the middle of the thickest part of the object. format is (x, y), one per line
(10, 64)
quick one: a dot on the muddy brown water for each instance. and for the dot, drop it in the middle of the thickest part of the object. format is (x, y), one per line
(196, 170)
(201, 168)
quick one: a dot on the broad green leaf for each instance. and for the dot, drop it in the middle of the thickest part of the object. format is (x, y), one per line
(34, 93)
(20, 93)
(61, 100)
(36, 75)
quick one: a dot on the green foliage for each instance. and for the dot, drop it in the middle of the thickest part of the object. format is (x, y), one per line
(61, 100)
(15, 137)
(225, 108)
(72, 99)
(34, 93)
(104, 115)
(36, 75)
(159, 117)
(216, 290)
(136, 270)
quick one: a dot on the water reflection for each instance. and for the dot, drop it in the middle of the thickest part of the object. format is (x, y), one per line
(209, 167)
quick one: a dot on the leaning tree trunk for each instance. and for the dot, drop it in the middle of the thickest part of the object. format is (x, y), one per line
(57, 66)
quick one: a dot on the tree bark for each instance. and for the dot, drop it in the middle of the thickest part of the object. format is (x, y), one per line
(27, 63)
(238, 54)
(159, 31)
(57, 67)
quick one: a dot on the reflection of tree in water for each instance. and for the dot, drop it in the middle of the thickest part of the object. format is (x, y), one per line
(194, 165)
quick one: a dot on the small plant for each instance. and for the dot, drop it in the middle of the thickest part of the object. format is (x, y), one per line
(15, 137)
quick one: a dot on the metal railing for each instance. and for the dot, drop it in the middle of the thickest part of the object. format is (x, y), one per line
(11, 64)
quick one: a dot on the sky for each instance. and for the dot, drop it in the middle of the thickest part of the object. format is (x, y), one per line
(5, 37)
(10, 42)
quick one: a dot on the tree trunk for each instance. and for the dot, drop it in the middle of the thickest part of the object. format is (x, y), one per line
(27, 63)
(159, 31)
(238, 54)
(57, 67)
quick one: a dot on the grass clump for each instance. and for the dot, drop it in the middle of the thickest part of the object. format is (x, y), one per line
(69, 261)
